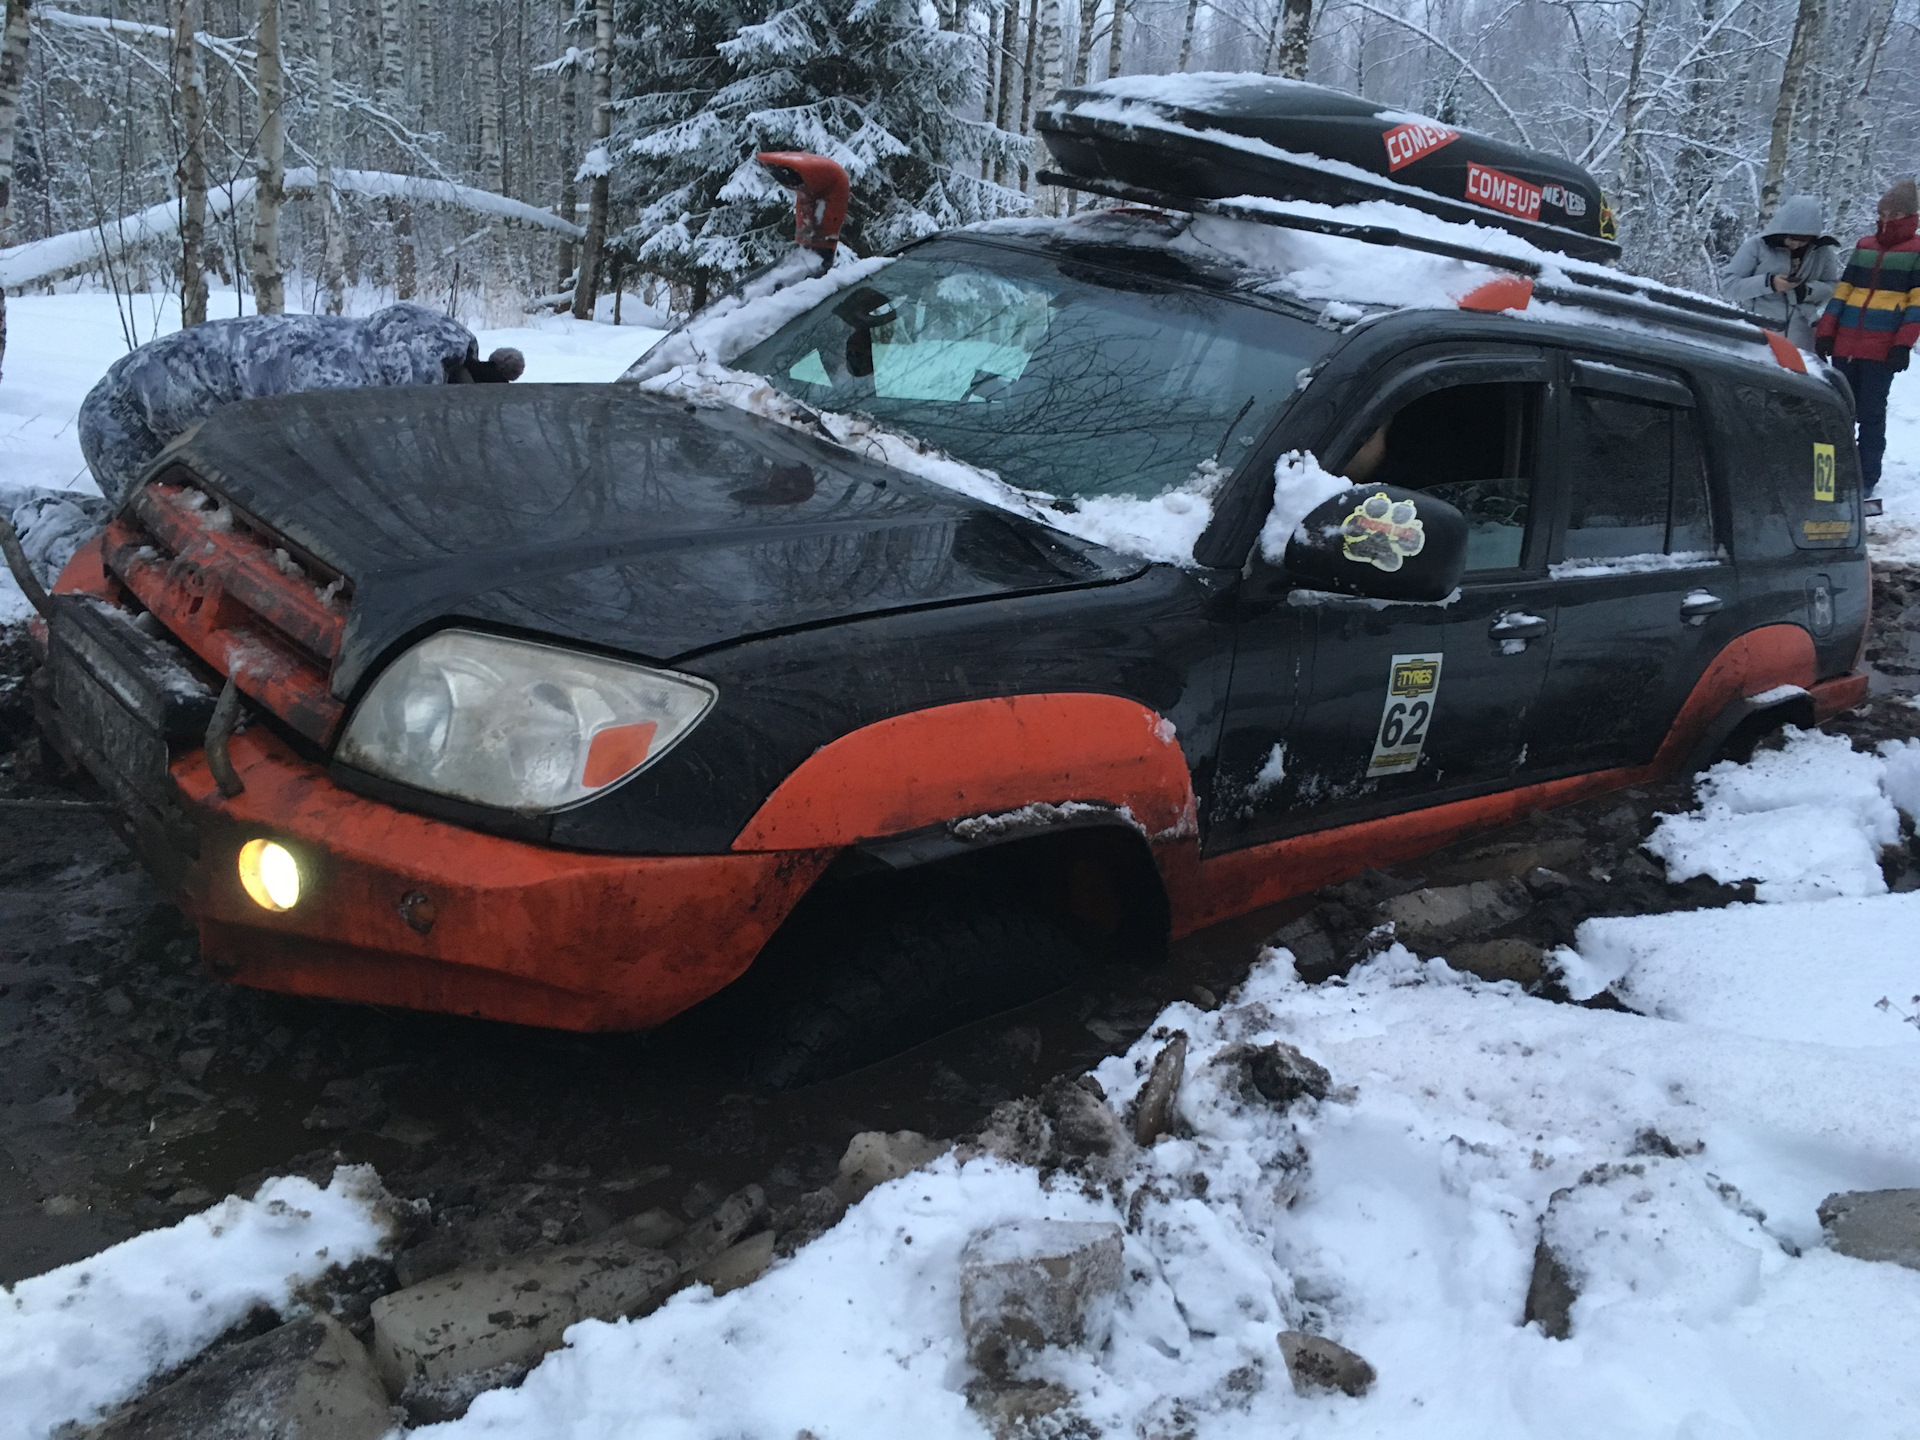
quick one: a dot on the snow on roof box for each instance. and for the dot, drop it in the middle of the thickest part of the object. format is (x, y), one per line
(1214, 137)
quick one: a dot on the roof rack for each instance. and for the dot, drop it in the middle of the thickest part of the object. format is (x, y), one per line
(1630, 297)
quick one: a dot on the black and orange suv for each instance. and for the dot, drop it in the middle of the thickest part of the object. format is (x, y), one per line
(562, 704)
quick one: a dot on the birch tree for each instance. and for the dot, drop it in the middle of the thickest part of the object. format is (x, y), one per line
(1806, 25)
(190, 104)
(13, 73)
(598, 165)
(269, 283)
(333, 244)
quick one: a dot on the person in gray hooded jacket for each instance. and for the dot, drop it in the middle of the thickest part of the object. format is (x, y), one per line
(1786, 275)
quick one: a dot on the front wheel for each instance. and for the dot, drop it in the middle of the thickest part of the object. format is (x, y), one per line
(886, 968)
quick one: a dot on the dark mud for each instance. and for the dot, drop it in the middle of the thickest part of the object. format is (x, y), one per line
(135, 1088)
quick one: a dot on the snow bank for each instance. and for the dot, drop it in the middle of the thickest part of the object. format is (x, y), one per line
(1674, 1164)
(1804, 822)
(90, 1335)
(1894, 537)
(1813, 972)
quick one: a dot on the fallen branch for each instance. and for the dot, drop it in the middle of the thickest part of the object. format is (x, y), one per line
(76, 249)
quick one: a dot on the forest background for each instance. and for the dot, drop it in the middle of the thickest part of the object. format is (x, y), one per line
(495, 157)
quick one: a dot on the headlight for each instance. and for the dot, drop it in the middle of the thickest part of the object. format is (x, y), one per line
(517, 725)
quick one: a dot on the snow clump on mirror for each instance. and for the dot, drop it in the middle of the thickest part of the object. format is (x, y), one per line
(1299, 485)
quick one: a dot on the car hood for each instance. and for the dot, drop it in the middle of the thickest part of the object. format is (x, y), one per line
(601, 515)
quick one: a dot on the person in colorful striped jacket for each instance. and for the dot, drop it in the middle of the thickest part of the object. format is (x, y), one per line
(1870, 325)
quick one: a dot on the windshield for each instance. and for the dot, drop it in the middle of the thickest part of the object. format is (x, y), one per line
(1053, 376)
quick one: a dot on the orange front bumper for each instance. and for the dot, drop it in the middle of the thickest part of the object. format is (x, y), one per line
(398, 909)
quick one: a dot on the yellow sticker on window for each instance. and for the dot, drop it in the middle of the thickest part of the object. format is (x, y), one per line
(1823, 472)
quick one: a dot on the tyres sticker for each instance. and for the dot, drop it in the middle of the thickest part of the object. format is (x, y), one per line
(1414, 141)
(1413, 686)
(1822, 472)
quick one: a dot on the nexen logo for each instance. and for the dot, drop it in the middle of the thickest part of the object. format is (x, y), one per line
(1408, 143)
(1498, 190)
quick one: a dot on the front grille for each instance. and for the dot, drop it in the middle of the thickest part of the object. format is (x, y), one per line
(240, 602)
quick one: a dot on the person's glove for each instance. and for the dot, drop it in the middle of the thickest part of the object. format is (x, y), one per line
(1823, 346)
(1899, 355)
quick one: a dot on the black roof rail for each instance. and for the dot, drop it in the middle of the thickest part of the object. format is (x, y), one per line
(1628, 296)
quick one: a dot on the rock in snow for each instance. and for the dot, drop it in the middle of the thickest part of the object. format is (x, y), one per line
(1428, 920)
(509, 1313)
(310, 1380)
(1874, 1225)
(874, 1157)
(1153, 1115)
(1034, 1283)
(1316, 1363)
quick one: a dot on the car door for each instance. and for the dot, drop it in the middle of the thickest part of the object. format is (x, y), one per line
(1644, 590)
(1342, 708)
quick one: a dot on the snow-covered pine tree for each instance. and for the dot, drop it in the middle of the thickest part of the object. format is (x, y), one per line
(875, 84)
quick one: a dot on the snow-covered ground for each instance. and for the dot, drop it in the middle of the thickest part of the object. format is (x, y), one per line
(1896, 534)
(1673, 1159)
(59, 345)
(78, 1340)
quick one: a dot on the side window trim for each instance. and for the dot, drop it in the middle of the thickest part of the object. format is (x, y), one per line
(1622, 380)
(1609, 379)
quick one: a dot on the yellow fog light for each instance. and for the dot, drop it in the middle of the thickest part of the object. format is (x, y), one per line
(270, 874)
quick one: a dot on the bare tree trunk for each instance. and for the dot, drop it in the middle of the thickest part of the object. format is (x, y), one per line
(586, 289)
(13, 74)
(1116, 33)
(333, 241)
(996, 67)
(393, 55)
(1026, 81)
(1806, 26)
(569, 148)
(487, 97)
(1083, 42)
(1053, 46)
(1003, 115)
(406, 268)
(424, 78)
(1866, 61)
(191, 174)
(1296, 28)
(1632, 170)
(269, 284)
(1186, 35)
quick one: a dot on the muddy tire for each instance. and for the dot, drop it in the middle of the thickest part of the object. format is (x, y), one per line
(888, 970)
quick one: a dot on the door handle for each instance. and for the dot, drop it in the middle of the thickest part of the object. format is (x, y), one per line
(1698, 605)
(1517, 625)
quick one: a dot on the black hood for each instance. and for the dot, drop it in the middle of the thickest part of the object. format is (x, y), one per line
(599, 515)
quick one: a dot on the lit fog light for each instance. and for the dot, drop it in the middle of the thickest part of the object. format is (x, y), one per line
(270, 874)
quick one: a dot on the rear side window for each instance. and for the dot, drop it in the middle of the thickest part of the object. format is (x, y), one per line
(1636, 484)
(1811, 461)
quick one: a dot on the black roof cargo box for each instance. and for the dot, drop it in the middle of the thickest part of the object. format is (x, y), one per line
(1214, 137)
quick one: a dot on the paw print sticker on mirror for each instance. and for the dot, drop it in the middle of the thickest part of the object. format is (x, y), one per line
(1383, 533)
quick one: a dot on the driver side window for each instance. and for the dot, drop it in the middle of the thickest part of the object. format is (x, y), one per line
(1473, 446)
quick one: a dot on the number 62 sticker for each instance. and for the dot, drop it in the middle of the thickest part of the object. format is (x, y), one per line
(1413, 685)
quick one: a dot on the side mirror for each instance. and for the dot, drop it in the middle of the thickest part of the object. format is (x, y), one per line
(1382, 542)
